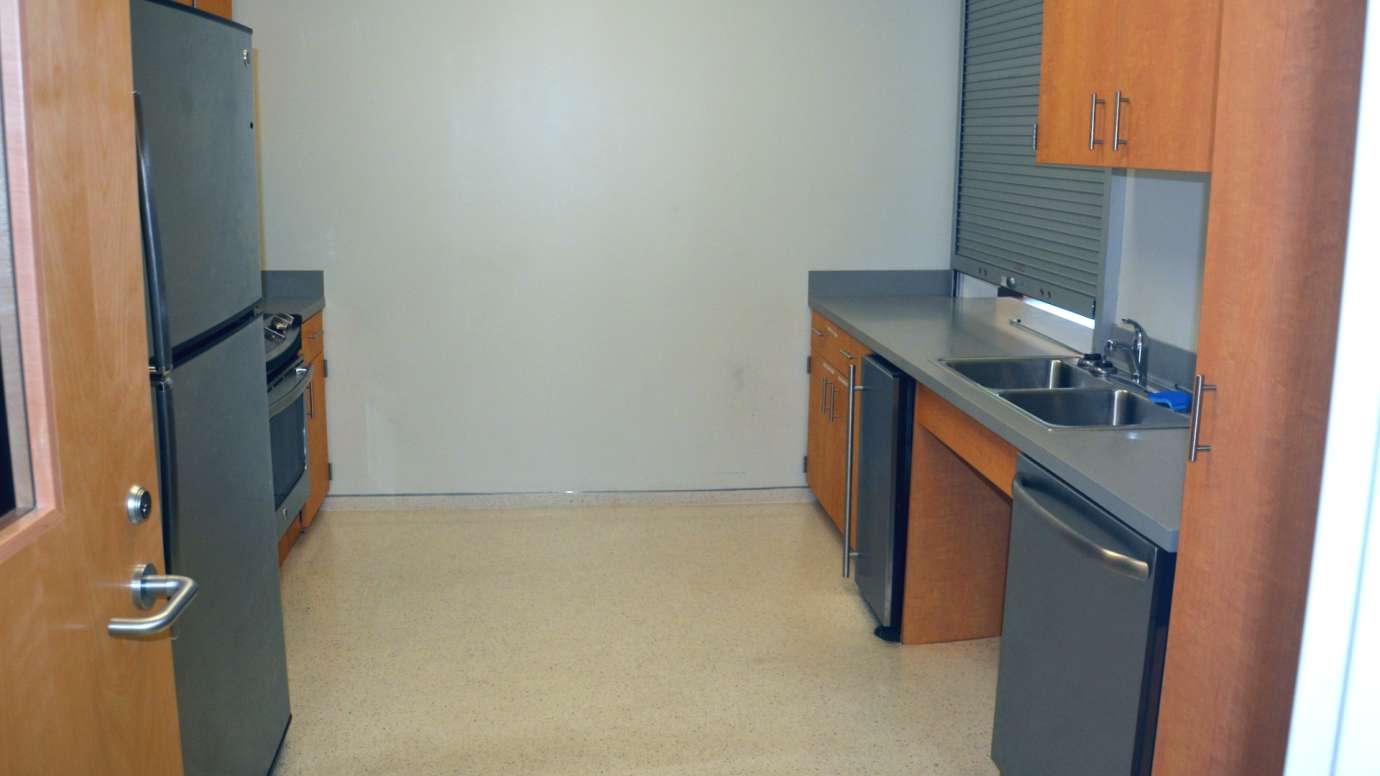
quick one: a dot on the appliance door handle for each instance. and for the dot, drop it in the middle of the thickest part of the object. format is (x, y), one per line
(1093, 140)
(153, 247)
(1119, 562)
(282, 395)
(146, 586)
(167, 450)
(1117, 141)
(848, 552)
(1200, 384)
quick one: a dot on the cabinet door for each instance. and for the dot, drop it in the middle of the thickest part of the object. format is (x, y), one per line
(218, 7)
(1167, 75)
(817, 429)
(318, 452)
(1077, 66)
(834, 449)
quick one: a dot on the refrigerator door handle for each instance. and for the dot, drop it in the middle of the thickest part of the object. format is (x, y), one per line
(167, 463)
(1119, 562)
(153, 250)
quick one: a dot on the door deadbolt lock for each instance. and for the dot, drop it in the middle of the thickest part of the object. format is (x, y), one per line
(138, 504)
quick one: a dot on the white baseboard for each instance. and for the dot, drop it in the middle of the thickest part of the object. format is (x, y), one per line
(420, 503)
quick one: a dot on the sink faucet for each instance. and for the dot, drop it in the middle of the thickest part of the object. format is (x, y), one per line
(1138, 351)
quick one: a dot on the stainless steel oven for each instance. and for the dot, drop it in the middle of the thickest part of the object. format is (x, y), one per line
(289, 385)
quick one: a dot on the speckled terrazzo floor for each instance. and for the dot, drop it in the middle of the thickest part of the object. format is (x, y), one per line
(628, 640)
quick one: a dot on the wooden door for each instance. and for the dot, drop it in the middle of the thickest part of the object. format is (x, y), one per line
(1167, 76)
(318, 452)
(1077, 65)
(74, 699)
(1285, 136)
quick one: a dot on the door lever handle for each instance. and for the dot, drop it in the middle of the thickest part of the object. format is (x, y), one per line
(147, 586)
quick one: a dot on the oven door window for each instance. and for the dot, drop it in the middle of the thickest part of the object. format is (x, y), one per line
(288, 431)
(289, 449)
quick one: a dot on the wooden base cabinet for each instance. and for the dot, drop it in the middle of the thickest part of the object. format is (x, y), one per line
(318, 451)
(960, 526)
(832, 352)
(319, 472)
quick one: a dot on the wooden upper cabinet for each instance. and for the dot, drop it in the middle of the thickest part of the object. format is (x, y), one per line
(1168, 81)
(1077, 78)
(217, 7)
(1153, 63)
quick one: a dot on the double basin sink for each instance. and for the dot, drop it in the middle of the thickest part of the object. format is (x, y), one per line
(1059, 394)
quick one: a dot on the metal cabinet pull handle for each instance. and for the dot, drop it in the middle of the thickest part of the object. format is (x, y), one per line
(146, 586)
(1035, 137)
(1093, 140)
(846, 354)
(1200, 385)
(816, 332)
(848, 553)
(1117, 140)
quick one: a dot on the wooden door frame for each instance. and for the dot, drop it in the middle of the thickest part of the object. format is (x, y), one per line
(28, 282)
(1283, 158)
(1326, 733)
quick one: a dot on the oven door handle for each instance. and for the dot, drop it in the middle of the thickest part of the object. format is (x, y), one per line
(286, 391)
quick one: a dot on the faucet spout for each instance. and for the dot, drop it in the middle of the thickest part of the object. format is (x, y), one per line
(1137, 351)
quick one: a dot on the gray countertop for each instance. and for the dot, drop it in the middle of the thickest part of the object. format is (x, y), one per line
(305, 306)
(1136, 475)
(294, 292)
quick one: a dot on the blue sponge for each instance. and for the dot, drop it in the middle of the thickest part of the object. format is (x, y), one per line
(1178, 401)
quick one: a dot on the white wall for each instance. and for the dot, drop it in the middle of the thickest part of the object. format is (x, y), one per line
(566, 242)
(1163, 242)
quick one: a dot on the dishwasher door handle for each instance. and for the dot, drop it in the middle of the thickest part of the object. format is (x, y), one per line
(1119, 562)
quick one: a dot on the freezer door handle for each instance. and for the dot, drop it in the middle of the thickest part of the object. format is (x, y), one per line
(167, 459)
(1117, 561)
(146, 587)
(153, 249)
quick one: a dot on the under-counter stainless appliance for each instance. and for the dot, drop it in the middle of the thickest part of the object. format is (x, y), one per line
(199, 206)
(289, 406)
(884, 442)
(1083, 635)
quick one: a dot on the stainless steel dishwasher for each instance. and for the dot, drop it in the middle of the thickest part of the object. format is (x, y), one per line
(1083, 634)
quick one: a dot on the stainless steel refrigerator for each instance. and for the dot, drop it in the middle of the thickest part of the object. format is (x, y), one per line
(198, 191)
(883, 498)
